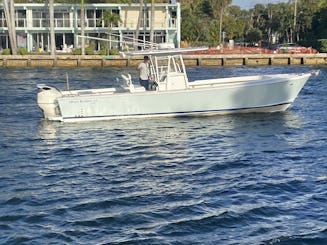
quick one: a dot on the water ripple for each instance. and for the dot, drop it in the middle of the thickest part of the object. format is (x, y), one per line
(239, 179)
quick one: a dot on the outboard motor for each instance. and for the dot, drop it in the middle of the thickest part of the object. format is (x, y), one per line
(47, 101)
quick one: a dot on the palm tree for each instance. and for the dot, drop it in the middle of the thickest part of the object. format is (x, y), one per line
(109, 18)
(137, 32)
(129, 2)
(10, 19)
(52, 33)
(222, 6)
(82, 26)
(152, 24)
(13, 26)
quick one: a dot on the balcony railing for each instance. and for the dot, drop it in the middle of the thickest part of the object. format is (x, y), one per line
(21, 22)
(89, 23)
(58, 23)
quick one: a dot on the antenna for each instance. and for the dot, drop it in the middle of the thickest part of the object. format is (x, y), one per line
(67, 82)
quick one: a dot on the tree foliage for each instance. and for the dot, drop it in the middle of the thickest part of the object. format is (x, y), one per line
(304, 23)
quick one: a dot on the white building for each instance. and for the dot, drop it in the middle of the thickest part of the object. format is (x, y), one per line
(33, 25)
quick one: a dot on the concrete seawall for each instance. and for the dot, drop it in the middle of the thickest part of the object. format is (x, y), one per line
(190, 60)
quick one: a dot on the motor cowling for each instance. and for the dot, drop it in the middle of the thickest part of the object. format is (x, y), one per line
(47, 100)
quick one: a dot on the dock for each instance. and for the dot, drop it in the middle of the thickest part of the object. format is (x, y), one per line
(66, 60)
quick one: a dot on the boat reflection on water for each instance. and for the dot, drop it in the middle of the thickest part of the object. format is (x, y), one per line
(47, 129)
(169, 128)
(164, 140)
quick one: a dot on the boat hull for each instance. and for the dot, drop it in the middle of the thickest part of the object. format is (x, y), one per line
(270, 95)
(268, 109)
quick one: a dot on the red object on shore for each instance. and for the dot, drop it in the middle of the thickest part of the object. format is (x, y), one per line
(256, 50)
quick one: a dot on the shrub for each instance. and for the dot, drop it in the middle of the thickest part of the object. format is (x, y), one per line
(22, 50)
(323, 45)
(89, 50)
(103, 48)
(103, 51)
(77, 51)
(113, 51)
(6, 51)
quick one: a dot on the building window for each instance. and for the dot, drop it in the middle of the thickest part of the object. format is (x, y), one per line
(4, 41)
(128, 41)
(159, 37)
(2, 19)
(145, 18)
(40, 18)
(61, 19)
(21, 18)
(98, 16)
(173, 19)
(40, 42)
(90, 18)
(116, 12)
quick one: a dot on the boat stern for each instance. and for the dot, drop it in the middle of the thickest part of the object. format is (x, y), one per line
(47, 101)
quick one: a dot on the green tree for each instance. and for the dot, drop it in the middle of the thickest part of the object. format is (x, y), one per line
(221, 6)
(202, 20)
(194, 19)
(189, 24)
(254, 36)
(109, 19)
(303, 19)
(237, 23)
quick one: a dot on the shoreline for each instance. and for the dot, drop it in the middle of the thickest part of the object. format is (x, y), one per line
(66, 60)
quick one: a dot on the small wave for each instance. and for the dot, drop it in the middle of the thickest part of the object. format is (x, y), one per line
(36, 218)
(14, 201)
(237, 179)
(311, 239)
(65, 150)
(12, 218)
(322, 178)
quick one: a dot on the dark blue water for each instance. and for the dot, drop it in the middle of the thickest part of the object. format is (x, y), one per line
(240, 179)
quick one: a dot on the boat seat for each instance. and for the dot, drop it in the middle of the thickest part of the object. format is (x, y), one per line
(130, 84)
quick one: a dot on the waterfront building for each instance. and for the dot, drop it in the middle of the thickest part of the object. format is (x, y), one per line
(33, 25)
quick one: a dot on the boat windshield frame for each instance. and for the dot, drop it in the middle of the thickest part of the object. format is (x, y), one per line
(162, 65)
